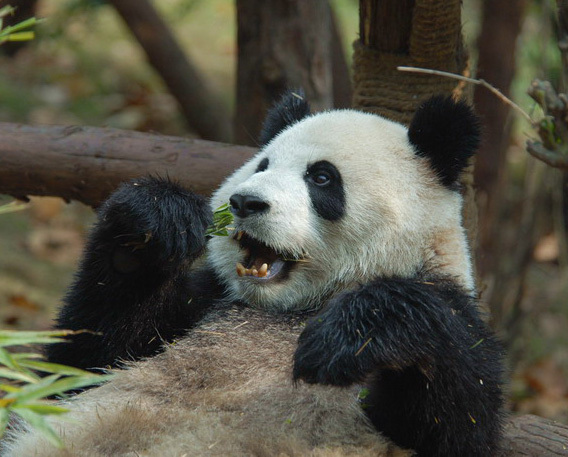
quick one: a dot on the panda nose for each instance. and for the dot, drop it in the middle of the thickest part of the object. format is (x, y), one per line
(246, 205)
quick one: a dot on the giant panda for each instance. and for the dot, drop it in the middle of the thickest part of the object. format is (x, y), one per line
(337, 319)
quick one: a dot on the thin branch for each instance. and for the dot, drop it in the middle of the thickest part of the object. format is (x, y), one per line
(479, 82)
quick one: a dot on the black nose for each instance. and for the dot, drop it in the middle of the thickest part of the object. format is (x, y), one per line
(245, 205)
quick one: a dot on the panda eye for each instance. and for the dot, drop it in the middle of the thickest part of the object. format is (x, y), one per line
(321, 178)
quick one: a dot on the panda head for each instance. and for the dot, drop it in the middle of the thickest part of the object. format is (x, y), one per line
(339, 198)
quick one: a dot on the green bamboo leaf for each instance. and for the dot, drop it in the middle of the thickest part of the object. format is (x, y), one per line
(43, 408)
(27, 23)
(9, 388)
(26, 355)
(48, 367)
(7, 360)
(4, 11)
(21, 36)
(13, 206)
(38, 422)
(56, 387)
(6, 373)
(21, 337)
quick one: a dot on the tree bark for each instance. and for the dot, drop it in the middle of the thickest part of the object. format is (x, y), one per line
(501, 25)
(533, 436)
(282, 44)
(88, 163)
(341, 79)
(202, 109)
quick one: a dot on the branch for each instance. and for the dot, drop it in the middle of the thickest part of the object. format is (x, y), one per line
(479, 82)
(202, 109)
(533, 436)
(88, 163)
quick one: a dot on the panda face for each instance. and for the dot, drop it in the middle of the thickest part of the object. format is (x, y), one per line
(334, 200)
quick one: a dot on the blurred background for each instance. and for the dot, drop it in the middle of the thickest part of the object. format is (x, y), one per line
(85, 68)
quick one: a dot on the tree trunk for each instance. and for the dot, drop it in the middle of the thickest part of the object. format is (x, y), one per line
(202, 109)
(282, 44)
(341, 79)
(88, 163)
(501, 25)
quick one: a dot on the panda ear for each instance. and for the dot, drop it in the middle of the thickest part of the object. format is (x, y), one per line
(448, 133)
(291, 108)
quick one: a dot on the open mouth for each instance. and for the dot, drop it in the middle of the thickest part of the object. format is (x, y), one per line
(262, 261)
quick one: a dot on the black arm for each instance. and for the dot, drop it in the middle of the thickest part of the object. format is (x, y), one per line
(134, 286)
(433, 368)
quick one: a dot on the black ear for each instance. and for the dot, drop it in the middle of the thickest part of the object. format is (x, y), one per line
(446, 132)
(291, 108)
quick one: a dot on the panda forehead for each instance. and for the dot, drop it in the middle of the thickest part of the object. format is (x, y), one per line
(350, 140)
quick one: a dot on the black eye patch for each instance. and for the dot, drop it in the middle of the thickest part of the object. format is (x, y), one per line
(326, 190)
(262, 166)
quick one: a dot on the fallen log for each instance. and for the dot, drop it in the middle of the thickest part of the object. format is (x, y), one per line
(533, 436)
(88, 163)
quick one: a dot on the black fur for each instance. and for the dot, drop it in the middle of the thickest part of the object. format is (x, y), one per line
(262, 166)
(328, 199)
(291, 108)
(134, 286)
(448, 134)
(433, 368)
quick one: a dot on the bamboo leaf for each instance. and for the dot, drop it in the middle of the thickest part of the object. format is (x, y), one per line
(21, 36)
(7, 360)
(44, 409)
(4, 11)
(56, 387)
(21, 337)
(27, 355)
(12, 206)
(48, 367)
(6, 373)
(9, 388)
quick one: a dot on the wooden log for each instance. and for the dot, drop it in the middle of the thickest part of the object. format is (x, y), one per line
(88, 163)
(533, 436)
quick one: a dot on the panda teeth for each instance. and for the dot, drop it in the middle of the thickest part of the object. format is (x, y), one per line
(260, 273)
(240, 234)
(263, 270)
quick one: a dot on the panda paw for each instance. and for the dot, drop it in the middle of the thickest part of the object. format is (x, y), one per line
(152, 220)
(327, 355)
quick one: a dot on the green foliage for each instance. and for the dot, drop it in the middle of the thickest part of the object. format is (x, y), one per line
(16, 32)
(12, 206)
(23, 391)
(222, 218)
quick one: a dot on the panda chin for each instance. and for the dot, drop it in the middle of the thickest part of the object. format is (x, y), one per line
(262, 263)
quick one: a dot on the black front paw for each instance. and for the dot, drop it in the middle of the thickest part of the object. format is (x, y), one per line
(153, 221)
(328, 353)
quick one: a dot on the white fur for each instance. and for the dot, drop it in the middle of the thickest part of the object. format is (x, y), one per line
(399, 219)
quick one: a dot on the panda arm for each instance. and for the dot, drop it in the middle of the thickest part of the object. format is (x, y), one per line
(134, 288)
(433, 368)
